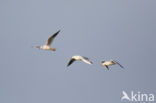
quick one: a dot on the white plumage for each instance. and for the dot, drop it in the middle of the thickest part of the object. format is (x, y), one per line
(79, 58)
(106, 64)
(47, 46)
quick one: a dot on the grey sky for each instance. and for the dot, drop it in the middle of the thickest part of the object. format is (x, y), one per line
(124, 30)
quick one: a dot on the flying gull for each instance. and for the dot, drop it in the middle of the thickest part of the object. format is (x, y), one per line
(47, 46)
(79, 58)
(106, 64)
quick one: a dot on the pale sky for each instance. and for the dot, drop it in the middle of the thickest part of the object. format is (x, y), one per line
(124, 30)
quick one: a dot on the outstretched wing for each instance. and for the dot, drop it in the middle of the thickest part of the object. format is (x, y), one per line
(50, 39)
(86, 60)
(106, 67)
(70, 62)
(118, 64)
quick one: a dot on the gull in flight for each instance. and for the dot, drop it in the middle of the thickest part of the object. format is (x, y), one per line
(106, 64)
(79, 58)
(125, 96)
(47, 46)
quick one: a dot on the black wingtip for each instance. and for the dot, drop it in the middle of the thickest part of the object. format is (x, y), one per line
(55, 34)
(68, 64)
(122, 67)
(58, 31)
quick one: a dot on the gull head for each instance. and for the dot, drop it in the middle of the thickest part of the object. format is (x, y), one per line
(102, 61)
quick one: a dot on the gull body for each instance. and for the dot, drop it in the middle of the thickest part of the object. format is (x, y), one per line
(78, 58)
(106, 64)
(47, 46)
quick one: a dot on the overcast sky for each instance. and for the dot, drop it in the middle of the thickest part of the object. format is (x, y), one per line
(124, 30)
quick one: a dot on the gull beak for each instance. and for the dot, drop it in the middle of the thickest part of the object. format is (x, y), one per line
(37, 47)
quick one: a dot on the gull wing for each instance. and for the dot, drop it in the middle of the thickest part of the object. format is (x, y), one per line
(70, 62)
(50, 39)
(86, 60)
(118, 64)
(106, 67)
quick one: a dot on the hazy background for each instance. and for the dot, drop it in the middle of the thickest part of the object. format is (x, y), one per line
(124, 30)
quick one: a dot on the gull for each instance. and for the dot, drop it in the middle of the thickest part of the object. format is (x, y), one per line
(79, 58)
(47, 46)
(106, 64)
